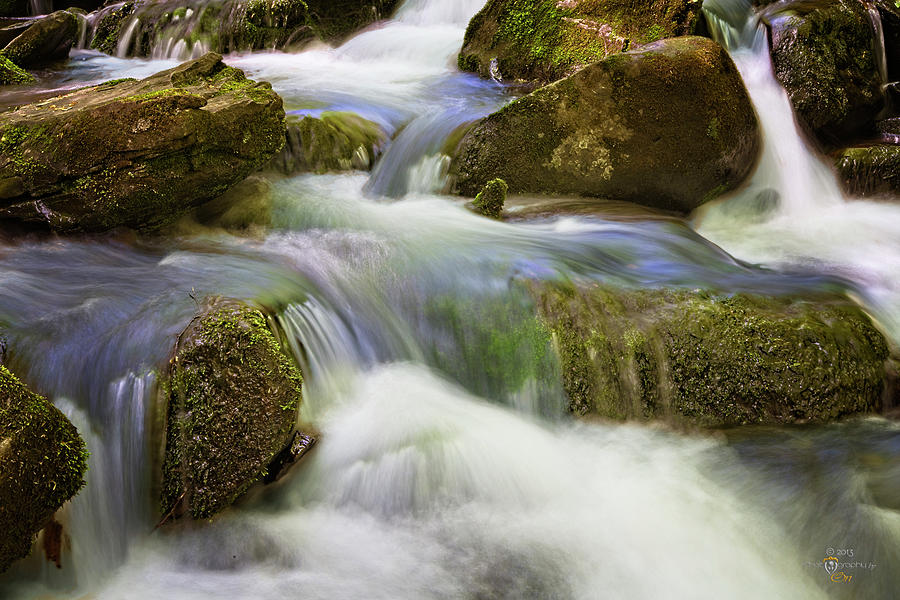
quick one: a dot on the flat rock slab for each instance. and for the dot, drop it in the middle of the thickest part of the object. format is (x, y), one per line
(136, 153)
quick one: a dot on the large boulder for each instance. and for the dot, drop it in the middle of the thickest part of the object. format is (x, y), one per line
(705, 359)
(544, 40)
(47, 41)
(233, 397)
(824, 56)
(334, 141)
(42, 465)
(136, 153)
(668, 126)
(231, 25)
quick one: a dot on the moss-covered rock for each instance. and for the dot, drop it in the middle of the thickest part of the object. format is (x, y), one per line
(136, 153)
(335, 141)
(109, 23)
(490, 200)
(544, 40)
(12, 74)
(823, 54)
(669, 126)
(870, 170)
(706, 359)
(42, 464)
(235, 25)
(233, 398)
(48, 40)
(247, 204)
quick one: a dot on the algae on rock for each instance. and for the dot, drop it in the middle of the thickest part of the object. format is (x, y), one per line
(42, 465)
(233, 397)
(136, 153)
(670, 126)
(704, 359)
(544, 40)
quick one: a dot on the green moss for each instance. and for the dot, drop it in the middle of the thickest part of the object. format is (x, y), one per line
(713, 360)
(233, 398)
(544, 40)
(12, 74)
(42, 464)
(490, 200)
(106, 34)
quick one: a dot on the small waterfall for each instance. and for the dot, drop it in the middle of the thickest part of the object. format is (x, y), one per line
(126, 40)
(40, 7)
(789, 174)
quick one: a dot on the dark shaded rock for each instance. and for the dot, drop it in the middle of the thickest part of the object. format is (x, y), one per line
(669, 126)
(10, 29)
(705, 359)
(42, 464)
(233, 398)
(234, 25)
(11, 74)
(247, 204)
(136, 153)
(490, 200)
(47, 41)
(14, 8)
(335, 141)
(544, 40)
(870, 170)
(823, 54)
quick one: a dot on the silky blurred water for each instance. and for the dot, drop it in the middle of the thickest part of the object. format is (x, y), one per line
(438, 475)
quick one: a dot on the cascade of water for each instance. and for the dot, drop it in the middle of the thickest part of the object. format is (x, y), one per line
(40, 7)
(126, 39)
(788, 172)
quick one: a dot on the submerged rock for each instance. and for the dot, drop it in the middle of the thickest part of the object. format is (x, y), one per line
(870, 170)
(48, 40)
(705, 359)
(335, 141)
(136, 153)
(42, 465)
(233, 397)
(823, 54)
(669, 126)
(544, 40)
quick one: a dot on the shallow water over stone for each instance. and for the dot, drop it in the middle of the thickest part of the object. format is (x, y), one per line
(438, 475)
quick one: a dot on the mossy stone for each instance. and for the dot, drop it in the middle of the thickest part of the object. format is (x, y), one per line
(136, 154)
(544, 40)
(12, 74)
(335, 141)
(42, 465)
(707, 359)
(677, 109)
(233, 397)
(47, 41)
(490, 200)
(824, 56)
(870, 170)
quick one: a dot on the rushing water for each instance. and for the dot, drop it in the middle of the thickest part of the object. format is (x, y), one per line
(446, 468)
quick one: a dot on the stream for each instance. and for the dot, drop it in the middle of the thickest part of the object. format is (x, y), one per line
(438, 475)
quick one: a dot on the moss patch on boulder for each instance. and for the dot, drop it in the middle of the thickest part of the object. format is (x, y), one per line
(233, 398)
(710, 360)
(490, 200)
(823, 54)
(42, 464)
(12, 74)
(870, 170)
(335, 141)
(677, 109)
(136, 153)
(47, 41)
(544, 40)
